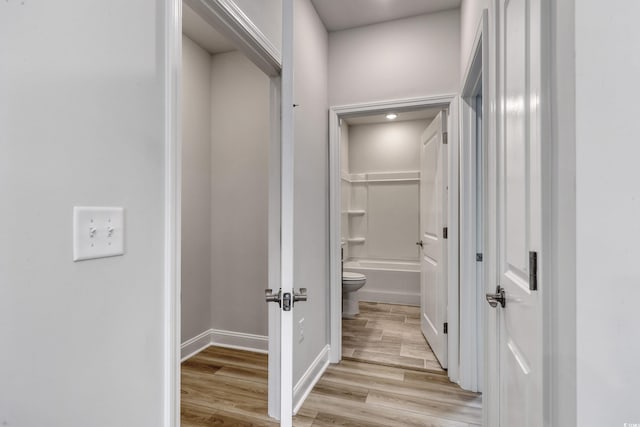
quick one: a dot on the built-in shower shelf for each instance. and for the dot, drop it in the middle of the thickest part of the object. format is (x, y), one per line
(356, 212)
(356, 240)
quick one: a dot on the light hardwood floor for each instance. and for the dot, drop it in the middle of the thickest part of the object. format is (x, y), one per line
(229, 387)
(388, 334)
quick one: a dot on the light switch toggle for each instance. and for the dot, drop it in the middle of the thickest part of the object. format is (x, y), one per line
(105, 236)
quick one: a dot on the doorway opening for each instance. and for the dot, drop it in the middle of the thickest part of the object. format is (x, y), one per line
(380, 223)
(229, 198)
(350, 195)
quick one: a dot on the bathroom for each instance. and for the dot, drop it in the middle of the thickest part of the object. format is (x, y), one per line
(380, 225)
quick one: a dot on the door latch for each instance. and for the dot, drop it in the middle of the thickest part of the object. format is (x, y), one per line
(286, 300)
(498, 297)
(420, 243)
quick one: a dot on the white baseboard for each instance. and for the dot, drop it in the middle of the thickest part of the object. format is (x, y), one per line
(240, 341)
(221, 338)
(195, 345)
(387, 297)
(310, 378)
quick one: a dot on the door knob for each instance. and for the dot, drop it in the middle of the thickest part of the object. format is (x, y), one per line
(271, 297)
(300, 295)
(420, 243)
(498, 297)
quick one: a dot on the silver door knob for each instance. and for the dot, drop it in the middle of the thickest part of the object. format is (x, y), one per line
(301, 295)
(498, 297)
(269, 296)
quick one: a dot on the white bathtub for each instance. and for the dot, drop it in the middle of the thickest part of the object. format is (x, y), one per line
(393, 282)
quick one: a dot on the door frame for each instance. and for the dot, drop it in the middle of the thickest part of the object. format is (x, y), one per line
(336, 113)
(472, 304)
(228, 19)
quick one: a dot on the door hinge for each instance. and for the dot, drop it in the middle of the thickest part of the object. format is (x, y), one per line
(479, 257)
(445, 137)
(445, 233)
(533, 271)
(445, 328)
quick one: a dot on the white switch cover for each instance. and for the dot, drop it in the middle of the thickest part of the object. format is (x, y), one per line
(98, 232)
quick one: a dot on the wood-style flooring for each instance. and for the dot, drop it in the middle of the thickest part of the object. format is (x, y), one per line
(388, 334)
(224, 387)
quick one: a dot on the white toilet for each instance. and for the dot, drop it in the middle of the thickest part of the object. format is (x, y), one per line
(351, 282)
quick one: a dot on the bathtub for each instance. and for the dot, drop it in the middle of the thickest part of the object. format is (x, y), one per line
(393, 282)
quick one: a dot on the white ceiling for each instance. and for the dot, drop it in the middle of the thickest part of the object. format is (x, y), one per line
(424, 114)
(343, 14)
(198, 30)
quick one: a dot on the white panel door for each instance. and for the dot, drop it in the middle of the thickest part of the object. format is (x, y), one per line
(518, 213)
(433, 257)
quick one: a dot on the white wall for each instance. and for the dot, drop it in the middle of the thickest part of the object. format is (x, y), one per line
(406, 58)
(82, 119)
(470, 14)
(607, 210)
(311, 192)
(240, 129)
(196, 189)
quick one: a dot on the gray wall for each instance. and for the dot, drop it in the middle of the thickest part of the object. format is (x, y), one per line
(385, 147)
(607, 195)
(82, 123)
(311, 193)
(196, 189)
(406, 58)
(240, 130)
(470, 14)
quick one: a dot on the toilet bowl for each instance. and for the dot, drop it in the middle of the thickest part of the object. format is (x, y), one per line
(351, 282)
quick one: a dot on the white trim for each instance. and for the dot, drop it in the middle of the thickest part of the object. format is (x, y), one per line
(453, 243)
(491, 395)
(335, 177)
(390, 297)
(472, 305)
(172, 200)
(240, 341)
(228, 19)
(273, 255)
(195, 345)
(287, 214)
(310, 378)
(226, 339)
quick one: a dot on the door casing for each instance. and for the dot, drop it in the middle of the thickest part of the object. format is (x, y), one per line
(472, 304)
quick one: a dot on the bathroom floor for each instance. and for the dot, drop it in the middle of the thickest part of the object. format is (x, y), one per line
(388, 334)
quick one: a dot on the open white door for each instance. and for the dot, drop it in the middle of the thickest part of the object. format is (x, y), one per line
(287, 195)
(433, 256)
(518, 297)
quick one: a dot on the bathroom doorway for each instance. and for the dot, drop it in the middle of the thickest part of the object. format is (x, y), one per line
(380, 225)
(375, 170)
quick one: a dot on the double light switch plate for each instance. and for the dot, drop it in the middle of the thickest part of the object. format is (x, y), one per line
(98, 232)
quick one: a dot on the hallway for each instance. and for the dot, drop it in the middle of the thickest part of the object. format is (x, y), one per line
(229, 387)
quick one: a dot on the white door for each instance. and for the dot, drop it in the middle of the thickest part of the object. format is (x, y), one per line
(433, 255)
(518, 213)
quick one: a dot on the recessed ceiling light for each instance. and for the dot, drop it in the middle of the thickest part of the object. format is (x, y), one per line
(392, 116)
